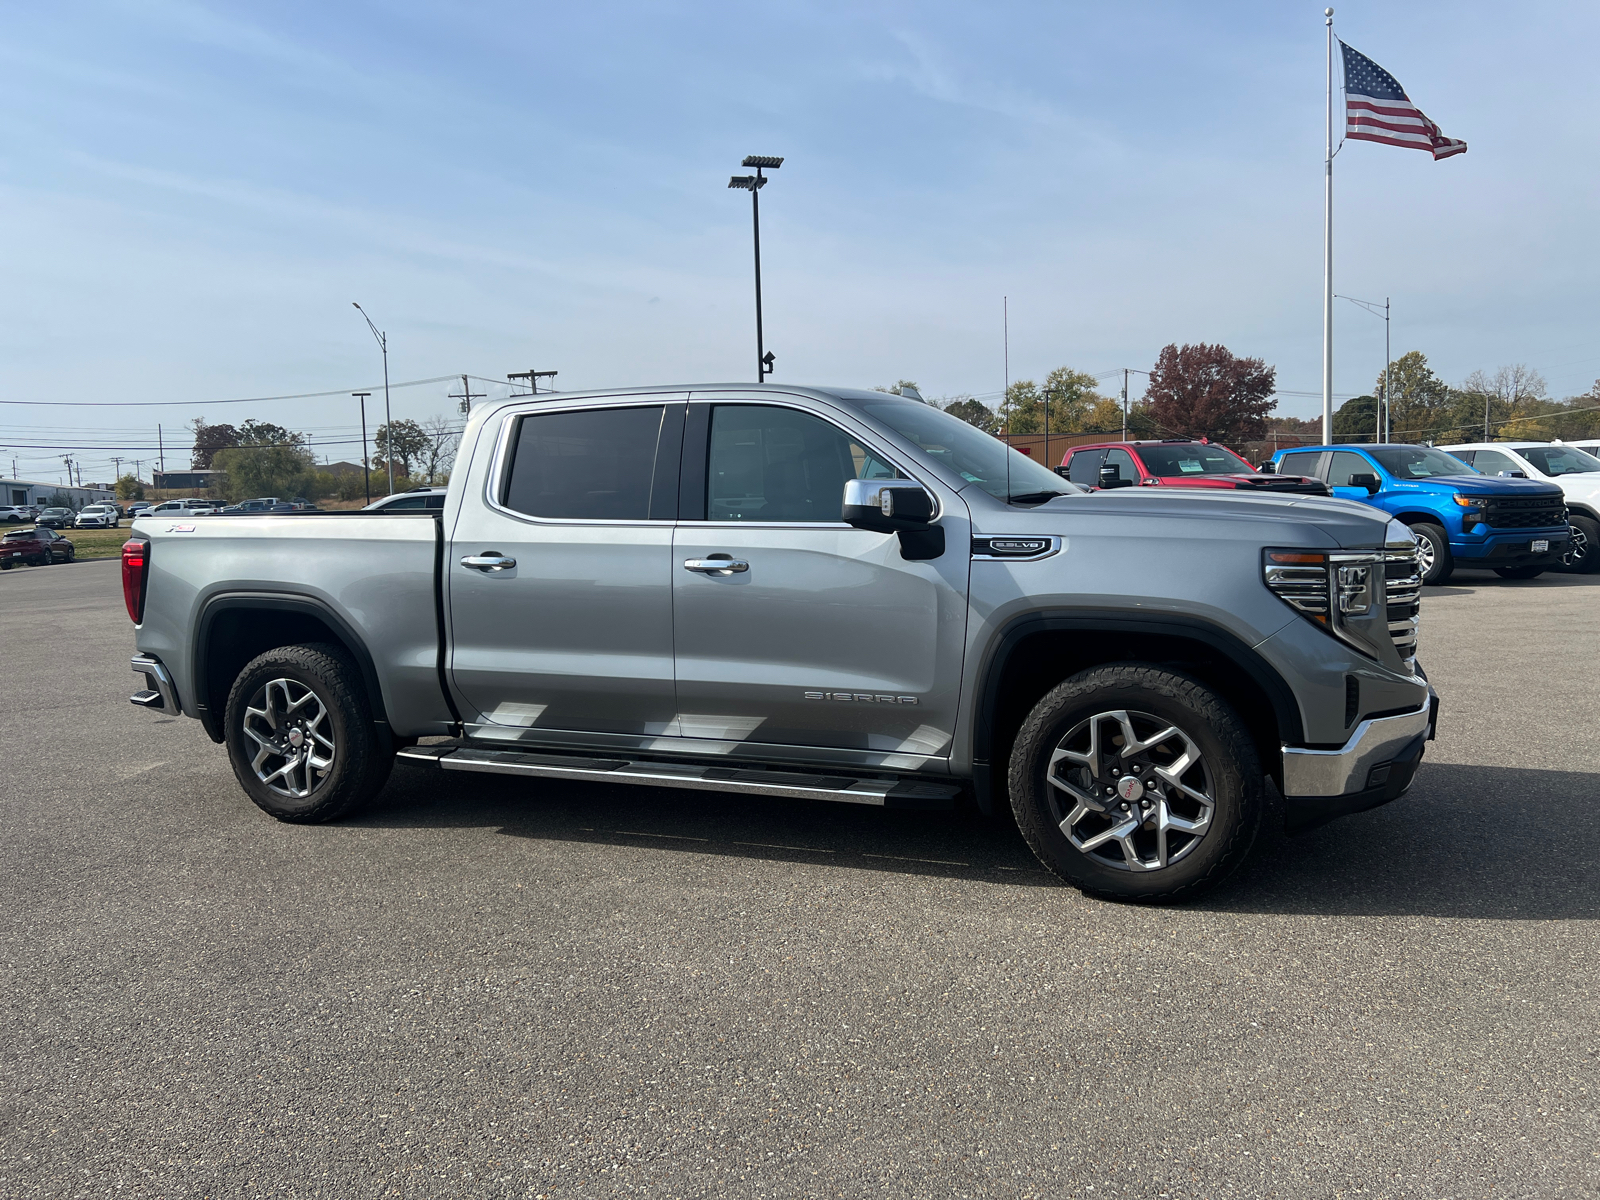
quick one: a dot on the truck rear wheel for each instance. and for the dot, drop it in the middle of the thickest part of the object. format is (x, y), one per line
(1136, 783)
(300, 736)
(1434, 559)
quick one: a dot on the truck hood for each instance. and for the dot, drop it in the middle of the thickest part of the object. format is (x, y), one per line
(1278, 520)
(1479, 485)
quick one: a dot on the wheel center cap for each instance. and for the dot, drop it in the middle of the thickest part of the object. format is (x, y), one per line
(1130, 788)
(296, 738)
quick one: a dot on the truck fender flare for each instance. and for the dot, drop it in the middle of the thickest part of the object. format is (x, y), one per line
(278, 602)
(1278, 693)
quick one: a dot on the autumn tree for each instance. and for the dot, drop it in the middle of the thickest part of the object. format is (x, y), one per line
(208, 439)
(1208, 391)
(440, 456)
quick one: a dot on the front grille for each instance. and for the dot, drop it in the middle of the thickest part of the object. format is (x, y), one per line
(1402, 585)
(1523, 512)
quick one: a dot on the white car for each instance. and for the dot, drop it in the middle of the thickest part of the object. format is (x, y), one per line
(13, 515)
(1576, 472)
(98, 516)
(182, 508)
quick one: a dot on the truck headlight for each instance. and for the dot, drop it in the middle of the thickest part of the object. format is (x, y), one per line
(1343, 591)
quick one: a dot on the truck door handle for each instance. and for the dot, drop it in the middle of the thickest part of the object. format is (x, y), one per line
(715, 566)
(491, 561)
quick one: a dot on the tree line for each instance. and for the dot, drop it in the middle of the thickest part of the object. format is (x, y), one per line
(265, 459)
(1207, 391)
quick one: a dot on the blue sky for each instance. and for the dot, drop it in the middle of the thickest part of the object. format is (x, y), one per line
(193, 194)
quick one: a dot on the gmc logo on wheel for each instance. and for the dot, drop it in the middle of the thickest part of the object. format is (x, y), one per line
(861, 697)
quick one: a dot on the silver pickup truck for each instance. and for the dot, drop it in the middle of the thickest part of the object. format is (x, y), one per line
(812, 593)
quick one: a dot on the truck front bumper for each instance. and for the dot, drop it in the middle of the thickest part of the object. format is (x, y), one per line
(1512, 552)
(1374, 767)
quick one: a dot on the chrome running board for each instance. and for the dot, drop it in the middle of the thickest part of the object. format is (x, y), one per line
(759, 781)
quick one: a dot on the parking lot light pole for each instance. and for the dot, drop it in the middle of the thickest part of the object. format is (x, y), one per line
(388, 421)
(366, 471)
(753, 184)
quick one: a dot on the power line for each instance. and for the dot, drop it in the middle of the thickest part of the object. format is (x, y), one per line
(213, 403)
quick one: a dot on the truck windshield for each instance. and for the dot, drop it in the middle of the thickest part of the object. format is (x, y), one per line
(1560, 460)
(1193, 459)
(1418, 462)
(971, 453)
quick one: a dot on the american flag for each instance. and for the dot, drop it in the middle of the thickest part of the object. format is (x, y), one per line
(1377, 110)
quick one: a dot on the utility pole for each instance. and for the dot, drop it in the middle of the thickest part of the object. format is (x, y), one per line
(753, 184)
(531, 376)
(388, 420)
(1124, 403)
(162, 450)
(467, 395)
(366, 470)
(117, 465)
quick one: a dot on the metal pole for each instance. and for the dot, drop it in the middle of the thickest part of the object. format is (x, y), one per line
(366, 469)
(388, 421)
(1327, 258)
(1005, 395)
(1388, 408)
(1124, 403)
(755, 224)
(162, 450)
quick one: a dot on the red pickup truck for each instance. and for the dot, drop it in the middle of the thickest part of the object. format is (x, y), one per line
(1175, 463)
(36, 547)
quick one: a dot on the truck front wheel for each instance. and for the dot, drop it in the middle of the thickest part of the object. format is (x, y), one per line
(1136, 783)
(1434, 560)
(300, 736)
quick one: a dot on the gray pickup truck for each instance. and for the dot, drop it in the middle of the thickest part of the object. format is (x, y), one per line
(812, 593)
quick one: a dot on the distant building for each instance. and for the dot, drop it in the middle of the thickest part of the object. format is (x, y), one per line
(341, 468)
(188, 481)
(34, 491)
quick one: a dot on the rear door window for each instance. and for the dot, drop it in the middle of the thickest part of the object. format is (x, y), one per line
(1304, 463)
(586, 464)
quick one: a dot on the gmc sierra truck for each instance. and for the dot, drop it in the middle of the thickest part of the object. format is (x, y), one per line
(797, 592)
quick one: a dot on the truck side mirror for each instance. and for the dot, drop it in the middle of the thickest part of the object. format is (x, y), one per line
(1111, 477)
(1061, 471)
(1365, 480)
(886, 505)
(1269, 467)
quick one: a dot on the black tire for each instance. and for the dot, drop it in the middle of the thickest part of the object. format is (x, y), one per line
(1228, 770)
(1519, 572)
(1583, 556)
(296, 678)
(1433, 551)
(6, 565)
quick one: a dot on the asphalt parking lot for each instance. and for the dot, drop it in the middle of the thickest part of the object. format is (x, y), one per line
(479, 987)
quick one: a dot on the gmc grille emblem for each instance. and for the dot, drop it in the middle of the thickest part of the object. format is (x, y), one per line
(861, 697)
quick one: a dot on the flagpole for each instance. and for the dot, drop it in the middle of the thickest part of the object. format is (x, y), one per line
(1327, 258)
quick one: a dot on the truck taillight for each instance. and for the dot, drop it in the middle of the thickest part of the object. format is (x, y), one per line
(135, 575)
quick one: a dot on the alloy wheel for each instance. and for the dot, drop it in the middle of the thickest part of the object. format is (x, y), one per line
(1425, 553)
(1130, 790)
(1577, 550)
(293, 735)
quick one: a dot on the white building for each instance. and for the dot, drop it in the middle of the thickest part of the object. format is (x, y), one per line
(34, 491)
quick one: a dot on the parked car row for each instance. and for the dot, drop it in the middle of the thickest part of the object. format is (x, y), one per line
(1517, 508)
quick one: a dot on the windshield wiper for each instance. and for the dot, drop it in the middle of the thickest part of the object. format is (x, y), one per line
(1034, 497)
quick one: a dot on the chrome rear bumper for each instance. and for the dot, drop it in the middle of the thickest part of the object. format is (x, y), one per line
(160, 694)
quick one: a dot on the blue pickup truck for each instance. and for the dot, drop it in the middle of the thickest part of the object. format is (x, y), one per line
(1516, 527)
